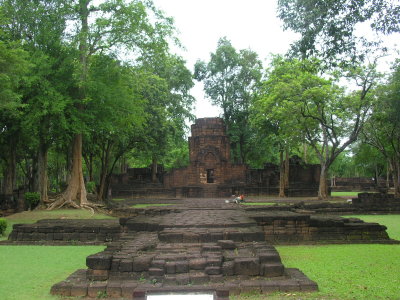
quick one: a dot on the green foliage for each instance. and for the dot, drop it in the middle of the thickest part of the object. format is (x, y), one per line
(382, 131)
(231, 80)
(3, 226)
(91, 187)
(328, 28)
(32, 199)
(302, 105)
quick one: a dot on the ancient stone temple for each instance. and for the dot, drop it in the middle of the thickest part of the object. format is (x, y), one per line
(211, 173)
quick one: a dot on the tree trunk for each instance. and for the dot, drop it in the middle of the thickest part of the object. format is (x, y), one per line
(105, 162)
(281, 175)
(33, 174)
(76, 190)
(42, 173)
(100, 195)
(287, 163)
(154, 170)
(396, 178)
(89, 165)
(75, 194)
(323, 187)
(10, 170)
(387, 176)
(305, 158)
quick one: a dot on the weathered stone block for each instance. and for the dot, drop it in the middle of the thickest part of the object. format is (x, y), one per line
(289, 286)
(198, 278)
(170, 280)
(269, 287)
(127, 288)
(79, 290)
(126, 265)
(189, 237)
(97, 289)
(272, 270)
(97, 275)
(197, 264)
(156, 272)
(170, 267)
(141, 263)
(213, 270)
(228, 268)
(182, 279)
(214, 261)
(227, 244)
(181, 266)
(247, 266)
(269, 257)
(62, 289)
(158, 263)
(99, 261)
(250, 286)
(114, 289)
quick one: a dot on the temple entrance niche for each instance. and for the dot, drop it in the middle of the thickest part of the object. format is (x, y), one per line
(210, 175)
(210, 162)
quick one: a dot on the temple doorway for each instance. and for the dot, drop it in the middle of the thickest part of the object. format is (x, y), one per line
(210, 175)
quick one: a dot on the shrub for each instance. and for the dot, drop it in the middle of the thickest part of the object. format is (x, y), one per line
(3, 226)
(32, 199)
(91, 187)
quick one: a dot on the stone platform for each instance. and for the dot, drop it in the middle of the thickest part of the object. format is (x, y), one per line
(208, 249)
(194, 246)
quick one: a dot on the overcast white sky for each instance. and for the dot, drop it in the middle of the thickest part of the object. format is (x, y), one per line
(247, 24)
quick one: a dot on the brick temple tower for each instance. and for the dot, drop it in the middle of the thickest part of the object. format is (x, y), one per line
(210, 172)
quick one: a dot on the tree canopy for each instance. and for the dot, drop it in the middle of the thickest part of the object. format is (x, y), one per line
(329, 28)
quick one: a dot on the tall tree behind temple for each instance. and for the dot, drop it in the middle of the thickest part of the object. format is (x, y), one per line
(231, 80)
(169, 105)
(317, 108)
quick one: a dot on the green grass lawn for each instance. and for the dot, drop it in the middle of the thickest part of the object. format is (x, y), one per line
(344, 194)
(28, 272)
(346, 271)
(341, 271)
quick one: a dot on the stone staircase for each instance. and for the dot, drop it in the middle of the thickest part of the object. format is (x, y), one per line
(219, 250)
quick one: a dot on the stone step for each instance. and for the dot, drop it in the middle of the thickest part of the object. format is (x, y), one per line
(207, 235)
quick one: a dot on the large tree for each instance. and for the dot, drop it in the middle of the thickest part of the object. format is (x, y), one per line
(317, 108)
(383, 129)
(14, 66)
(329, 28)
(40, 25)
(135, 27)
(231, 79)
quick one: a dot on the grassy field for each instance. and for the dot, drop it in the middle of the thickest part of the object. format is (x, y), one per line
(28, 272)
(341, 271)
(344, 194)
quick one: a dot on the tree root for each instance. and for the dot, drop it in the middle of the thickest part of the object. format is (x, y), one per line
(61, 201)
